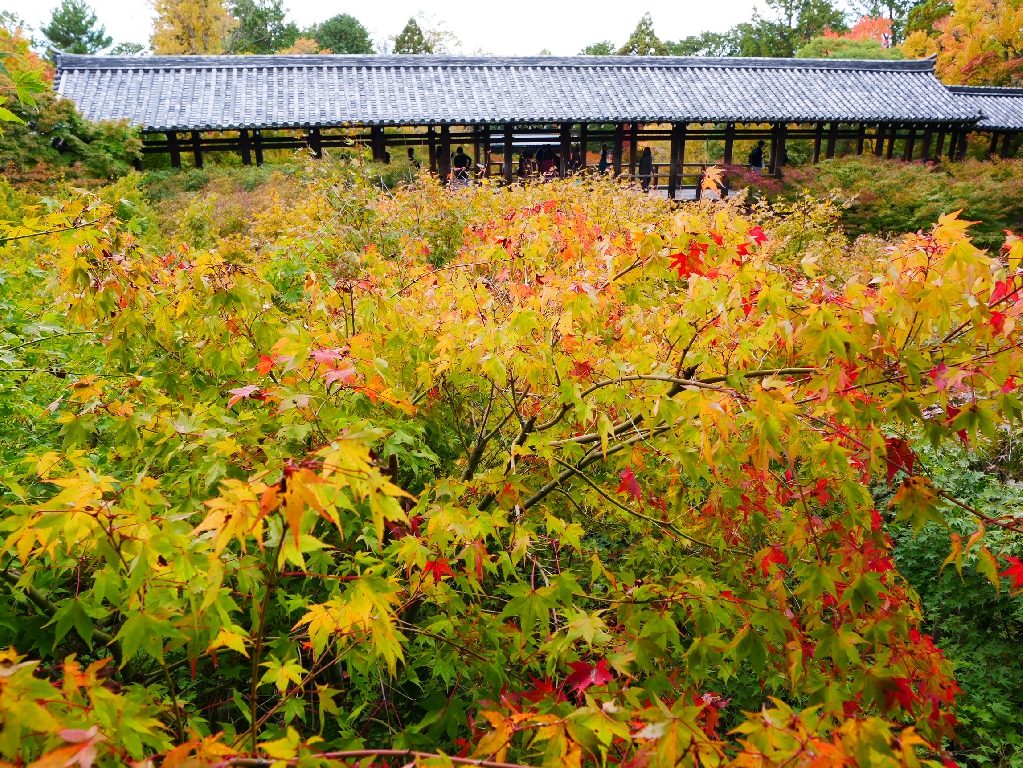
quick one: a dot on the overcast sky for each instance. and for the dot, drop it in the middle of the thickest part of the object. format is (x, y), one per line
(531, 26)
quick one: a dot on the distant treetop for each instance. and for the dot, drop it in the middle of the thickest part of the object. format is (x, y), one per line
(73, 29)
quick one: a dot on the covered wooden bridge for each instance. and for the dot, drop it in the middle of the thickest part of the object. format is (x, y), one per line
(195, 105)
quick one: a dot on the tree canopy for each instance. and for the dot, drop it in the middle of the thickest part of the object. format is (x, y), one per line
(191, 27)
(262, 27)
(411, 39)
(343, 34)
(643, 41)
(844, 48)
(73, 28)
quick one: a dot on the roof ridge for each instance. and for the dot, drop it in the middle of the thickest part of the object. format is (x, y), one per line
(986, 90)
(67, 61)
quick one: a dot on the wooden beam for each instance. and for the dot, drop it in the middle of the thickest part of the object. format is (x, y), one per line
(509, 156)
(444, 161)
(678, 133)
(431, 140)
(1007, 145)
(633, 149)
(772, 160)
(818, 134)
(197, 148)
(582, 144)
(907, 153)
(313, 137)
(475, 152)
(486, 151)
(832, 141)
(175, 150)
(257, 141)
(925, 145)
(243, 140)
(566, 148)
(879, 135)
(783, 131)
(729, 143)
(618, 142)
(861, 135)
(964, 138)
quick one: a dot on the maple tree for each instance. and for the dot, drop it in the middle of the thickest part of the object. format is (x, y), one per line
(979, 43)
(549, 475)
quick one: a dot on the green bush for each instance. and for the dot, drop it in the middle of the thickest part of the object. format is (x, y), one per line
(893, 197)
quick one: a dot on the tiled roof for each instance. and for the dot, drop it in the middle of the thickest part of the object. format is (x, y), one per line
(1002, 107)
(213, 92)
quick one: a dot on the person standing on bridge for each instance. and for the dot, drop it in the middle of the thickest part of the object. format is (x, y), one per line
(605, 160)
(756, 157)
(461, 163)
(646, 168)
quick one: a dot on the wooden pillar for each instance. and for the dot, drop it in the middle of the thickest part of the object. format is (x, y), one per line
(566, 148)
(818, 134)
(994, 144)
(889, 150)
(197, 148)
(772, 161)
(953, 141)
(582, 143)
(861, 135)
(444, 161)
(907, 153)
(619, 141)
(939, 145)
(832, 141)
(257, 143)
(729, 143)
(376, 143)
(475, 152)
(879, 135)
(783, 131)
(633, 148)
(175, 149)
(508, 153)
(486, 150)
(677, 157)
(1007, 146)
(431, 142)
(243, 142)
(314, 143)
(925, 145)
(964, 138)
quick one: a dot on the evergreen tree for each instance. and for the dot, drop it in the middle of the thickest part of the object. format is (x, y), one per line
(128, 49)
(261, 27)
(72, 29)
(603, 48)
(343, 34)
(844, 48)
(643, 41)
(191, 27)
(412, 40)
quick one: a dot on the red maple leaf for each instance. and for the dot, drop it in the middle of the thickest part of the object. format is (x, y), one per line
(584, 675)
(1015, 570)
(691, 262)
(1009, 385)
(774, 555)
(950, 413)
(758, 235)
(903, 694)
(439, 568)
(899, 456)
(582, 369)
(630, 484)
(1002, 289)
(542, 689)
(265, 364)
(939, 375)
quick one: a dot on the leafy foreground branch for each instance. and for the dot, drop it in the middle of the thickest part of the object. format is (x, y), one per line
(601, 489)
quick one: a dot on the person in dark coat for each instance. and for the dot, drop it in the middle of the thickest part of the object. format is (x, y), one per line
(605, 160)
(412, 158)
(756, 157)
(461, 163)
(646, 168)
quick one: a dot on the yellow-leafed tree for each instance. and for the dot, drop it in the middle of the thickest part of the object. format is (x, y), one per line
(191, 27)
(980, 43)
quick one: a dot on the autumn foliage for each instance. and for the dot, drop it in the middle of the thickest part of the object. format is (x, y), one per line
(596, 486)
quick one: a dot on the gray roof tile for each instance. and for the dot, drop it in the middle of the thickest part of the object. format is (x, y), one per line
(226, 92)
(1002, 107)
